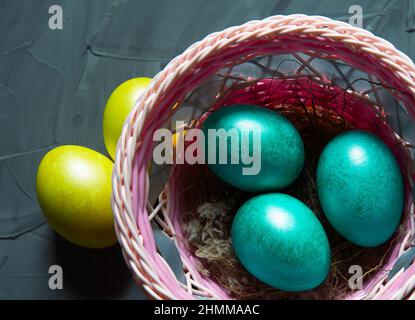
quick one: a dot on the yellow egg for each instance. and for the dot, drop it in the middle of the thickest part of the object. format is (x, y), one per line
(73, 187)
(118, 106)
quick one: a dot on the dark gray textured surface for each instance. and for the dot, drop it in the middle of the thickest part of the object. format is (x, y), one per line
(53, 87)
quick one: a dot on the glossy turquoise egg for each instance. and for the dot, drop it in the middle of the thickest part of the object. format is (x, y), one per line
(360, 188)
(279, 240)
(267, 153)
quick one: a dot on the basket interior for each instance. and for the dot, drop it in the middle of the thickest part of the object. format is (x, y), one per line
(326, 93)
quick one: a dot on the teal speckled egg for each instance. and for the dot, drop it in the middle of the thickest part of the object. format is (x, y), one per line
(279, 240)
(267, 154)
(360, 188)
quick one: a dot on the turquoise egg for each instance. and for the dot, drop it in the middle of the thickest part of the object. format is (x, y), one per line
(279, 240)
(360, 188)
(274, 144)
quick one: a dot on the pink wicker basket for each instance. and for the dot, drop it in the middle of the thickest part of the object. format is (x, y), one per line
(311, 41)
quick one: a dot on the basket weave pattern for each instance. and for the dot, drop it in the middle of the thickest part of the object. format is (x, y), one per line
(315, 36)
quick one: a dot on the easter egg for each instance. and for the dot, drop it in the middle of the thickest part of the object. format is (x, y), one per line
(279, 240)
(118, 106)
(262, 149)
(73, 187)
(360, 187)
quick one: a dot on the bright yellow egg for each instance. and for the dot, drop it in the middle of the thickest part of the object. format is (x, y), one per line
(73, 187)
(118, 106)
